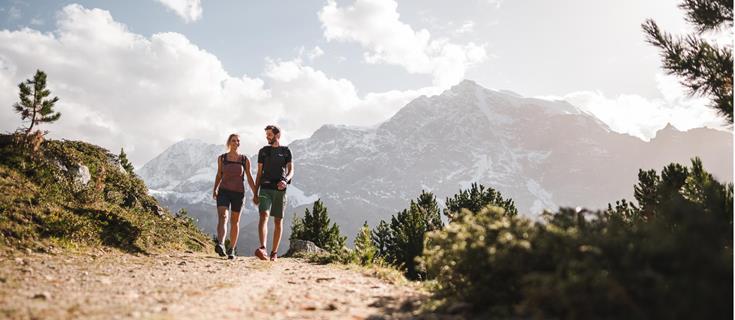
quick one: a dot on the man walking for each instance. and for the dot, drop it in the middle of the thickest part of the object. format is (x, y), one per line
(275, 170)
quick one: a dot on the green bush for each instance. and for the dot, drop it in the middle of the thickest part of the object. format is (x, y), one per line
(479, 259)
(365, 252)
(668, 257)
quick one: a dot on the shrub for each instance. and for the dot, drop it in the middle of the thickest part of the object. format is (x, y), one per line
(669, 256)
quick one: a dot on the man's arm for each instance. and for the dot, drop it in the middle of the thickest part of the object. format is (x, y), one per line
(289, 174)
(289, 170)
(259, 176)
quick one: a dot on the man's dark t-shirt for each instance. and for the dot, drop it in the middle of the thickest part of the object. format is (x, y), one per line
(274, 162)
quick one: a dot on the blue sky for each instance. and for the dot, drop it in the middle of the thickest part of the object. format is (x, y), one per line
(126, 70)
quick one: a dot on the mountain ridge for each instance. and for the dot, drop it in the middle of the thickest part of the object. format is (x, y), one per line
(543, 154)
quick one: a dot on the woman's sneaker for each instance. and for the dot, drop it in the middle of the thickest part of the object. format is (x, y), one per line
(274, 256)
(220, 249)
(260, 253)
(231, 253)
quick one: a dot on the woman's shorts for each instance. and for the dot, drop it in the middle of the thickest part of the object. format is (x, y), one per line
(230, 199)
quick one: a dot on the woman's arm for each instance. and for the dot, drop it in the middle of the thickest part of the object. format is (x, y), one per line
(251, 183)
(217, 178)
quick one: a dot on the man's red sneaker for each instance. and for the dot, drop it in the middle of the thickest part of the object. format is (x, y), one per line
(260, 253)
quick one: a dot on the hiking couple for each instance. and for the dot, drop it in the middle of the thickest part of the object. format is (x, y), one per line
(275, 170)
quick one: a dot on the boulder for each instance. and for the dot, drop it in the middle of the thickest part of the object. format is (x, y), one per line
(303, 247)
(81, 174)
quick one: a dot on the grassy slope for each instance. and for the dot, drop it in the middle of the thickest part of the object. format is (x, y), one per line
(42, 202)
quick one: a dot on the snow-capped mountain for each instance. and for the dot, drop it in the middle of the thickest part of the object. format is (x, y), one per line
(543, 154)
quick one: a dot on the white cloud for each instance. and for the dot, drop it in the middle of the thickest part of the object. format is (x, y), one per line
(312, 54)
(315, 53)
(466, 27)
(310, 98)
(121, 89)
(375, 25)
(642, 117)
(189, 10)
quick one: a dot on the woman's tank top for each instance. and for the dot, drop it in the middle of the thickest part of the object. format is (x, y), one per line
(233, 175)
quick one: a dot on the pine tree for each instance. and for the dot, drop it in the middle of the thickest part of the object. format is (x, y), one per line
(477, 198)
(430, 209)
(408, 229)
(705, 68)
(125, 163)
(315, 227)
(645, 191)
(382, 239)
(364, 247)
(33, 104)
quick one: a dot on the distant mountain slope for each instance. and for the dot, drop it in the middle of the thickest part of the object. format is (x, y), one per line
(543, 154)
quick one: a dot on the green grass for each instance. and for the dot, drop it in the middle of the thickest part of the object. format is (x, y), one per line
(41, 203)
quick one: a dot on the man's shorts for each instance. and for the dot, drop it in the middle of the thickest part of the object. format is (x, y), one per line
(273, 201)
(230, 199)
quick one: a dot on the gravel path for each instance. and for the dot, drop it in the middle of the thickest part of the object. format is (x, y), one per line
(113, 285)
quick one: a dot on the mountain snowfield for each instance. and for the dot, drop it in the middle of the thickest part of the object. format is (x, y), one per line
(543, 154)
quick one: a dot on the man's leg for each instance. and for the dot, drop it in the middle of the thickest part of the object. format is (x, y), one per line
(264, 207)
(277, 233)
(262, 234)
(277, 209)
(263, 228)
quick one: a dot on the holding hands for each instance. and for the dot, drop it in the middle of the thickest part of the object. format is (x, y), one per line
(281, 185)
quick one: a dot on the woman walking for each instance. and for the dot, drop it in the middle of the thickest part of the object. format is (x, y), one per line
(229, 191)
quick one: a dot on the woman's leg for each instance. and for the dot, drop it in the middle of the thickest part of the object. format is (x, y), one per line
(234, 228)
(221, 217)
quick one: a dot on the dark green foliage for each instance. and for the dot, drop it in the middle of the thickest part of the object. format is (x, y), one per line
(382, 238)
(673, 262)
(705, 68)
(407, 231)
(33, 105)
(44, 200)
(402, 241)
(475, 199)
(315, 227)
(426, 203)
(125, 163)
(708, 15)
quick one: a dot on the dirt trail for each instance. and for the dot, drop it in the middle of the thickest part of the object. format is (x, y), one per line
(107, 285)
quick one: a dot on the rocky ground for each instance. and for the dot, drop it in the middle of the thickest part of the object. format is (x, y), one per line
(114, 285)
